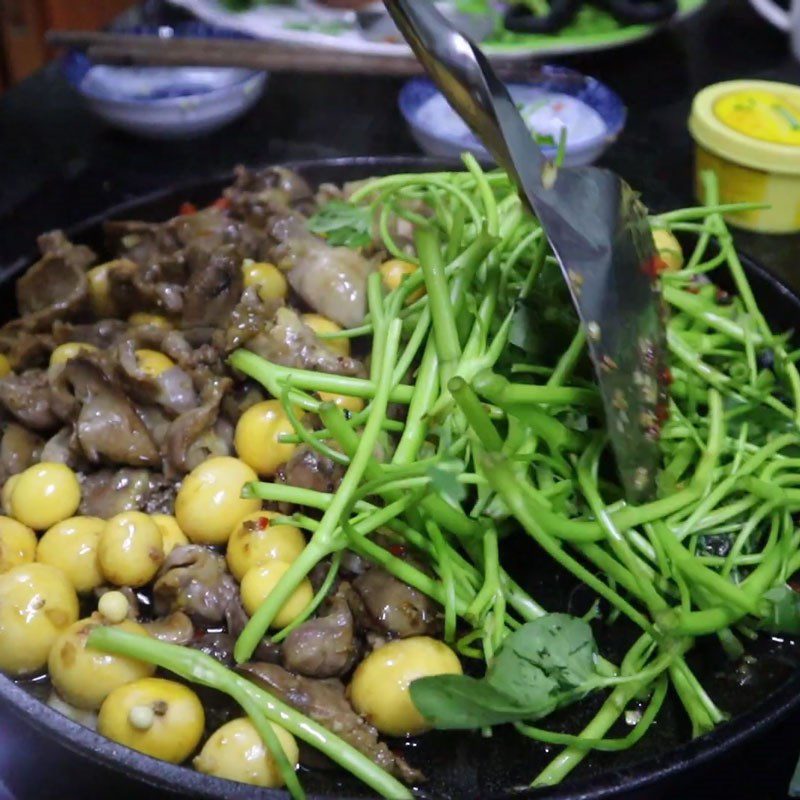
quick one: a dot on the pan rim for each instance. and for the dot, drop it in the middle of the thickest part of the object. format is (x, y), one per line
(600, 786)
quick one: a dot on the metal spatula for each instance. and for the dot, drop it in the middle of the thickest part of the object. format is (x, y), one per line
(597, 229)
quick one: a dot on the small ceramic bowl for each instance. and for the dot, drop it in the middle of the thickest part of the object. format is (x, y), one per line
(166, 102)
(552, 99)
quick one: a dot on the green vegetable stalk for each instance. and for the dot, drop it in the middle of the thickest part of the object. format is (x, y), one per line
(502, 431)
(197, 667)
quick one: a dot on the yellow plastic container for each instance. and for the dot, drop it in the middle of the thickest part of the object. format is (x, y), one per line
(748, 133)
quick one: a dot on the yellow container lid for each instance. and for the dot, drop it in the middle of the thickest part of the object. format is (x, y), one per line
(755, 123)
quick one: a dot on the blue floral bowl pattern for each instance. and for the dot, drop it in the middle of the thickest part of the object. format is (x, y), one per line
(166, 102)
(449, 141)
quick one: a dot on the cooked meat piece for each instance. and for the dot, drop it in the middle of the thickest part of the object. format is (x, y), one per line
(217, 645)
(257, 195)
(55, 287)
(172, 390)
(214, 288)
(194, 353)
(191, 350)
(19, 449)
(177, 628)
(109, 429)
(324, 647)
(243, 396)
(236, 618)
(195, 580)
(64, 448)
(170, 257)
(353, 564)
(332, 280)
(160, 498)
(133, 286)
(307, 469)
(250, 318)
(108, 425)
(102, 334)
(28, 398)
(211, 229)
(65, 401)
(268, 652)
(105, 493)
(326, 192)
(325, 702)
(294, 186)
(176, 392)
(220, 647)
(288, 341)
(145, 243)
(156, 421)
(199, 433)
(200, 338)
(393, 607)
(25, 350)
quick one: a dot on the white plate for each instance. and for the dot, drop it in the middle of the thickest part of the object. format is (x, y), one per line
(307, 24)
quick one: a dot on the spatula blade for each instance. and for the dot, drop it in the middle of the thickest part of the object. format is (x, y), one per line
(601, 236)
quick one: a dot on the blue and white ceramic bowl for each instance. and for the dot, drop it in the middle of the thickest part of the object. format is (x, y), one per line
(554, 98)
(166, 102)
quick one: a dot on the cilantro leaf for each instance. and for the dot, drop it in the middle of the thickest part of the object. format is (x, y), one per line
(458, 702)
(546, 664)
(342, 224)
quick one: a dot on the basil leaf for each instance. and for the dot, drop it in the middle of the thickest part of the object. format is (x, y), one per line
(342, 224)
(458, 702)
(547, 663)
(556, 647)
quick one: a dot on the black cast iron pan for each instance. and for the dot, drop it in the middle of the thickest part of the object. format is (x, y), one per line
(465, 767)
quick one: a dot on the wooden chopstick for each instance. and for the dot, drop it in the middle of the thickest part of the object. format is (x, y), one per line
(82, 40)
(271, 61)
(125, 49)
(245, 53)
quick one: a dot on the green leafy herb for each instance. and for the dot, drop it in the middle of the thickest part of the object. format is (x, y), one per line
(544, 139)
(783, 614)
(343, 224)
(557, 647)
(547, 663)
(445, 483)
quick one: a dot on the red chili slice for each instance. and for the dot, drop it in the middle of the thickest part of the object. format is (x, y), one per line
(654, 266)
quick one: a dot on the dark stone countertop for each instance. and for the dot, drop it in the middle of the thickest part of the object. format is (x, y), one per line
(59, 165)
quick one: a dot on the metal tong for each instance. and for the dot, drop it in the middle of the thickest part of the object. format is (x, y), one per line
(599, 233)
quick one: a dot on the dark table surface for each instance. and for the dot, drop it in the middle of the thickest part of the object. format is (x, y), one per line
(59, 165)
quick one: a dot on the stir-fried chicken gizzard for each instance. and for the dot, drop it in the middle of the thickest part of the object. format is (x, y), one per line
(125, 446)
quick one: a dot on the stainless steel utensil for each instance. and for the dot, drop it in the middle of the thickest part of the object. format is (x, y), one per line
(377, 25)
(597, 228)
